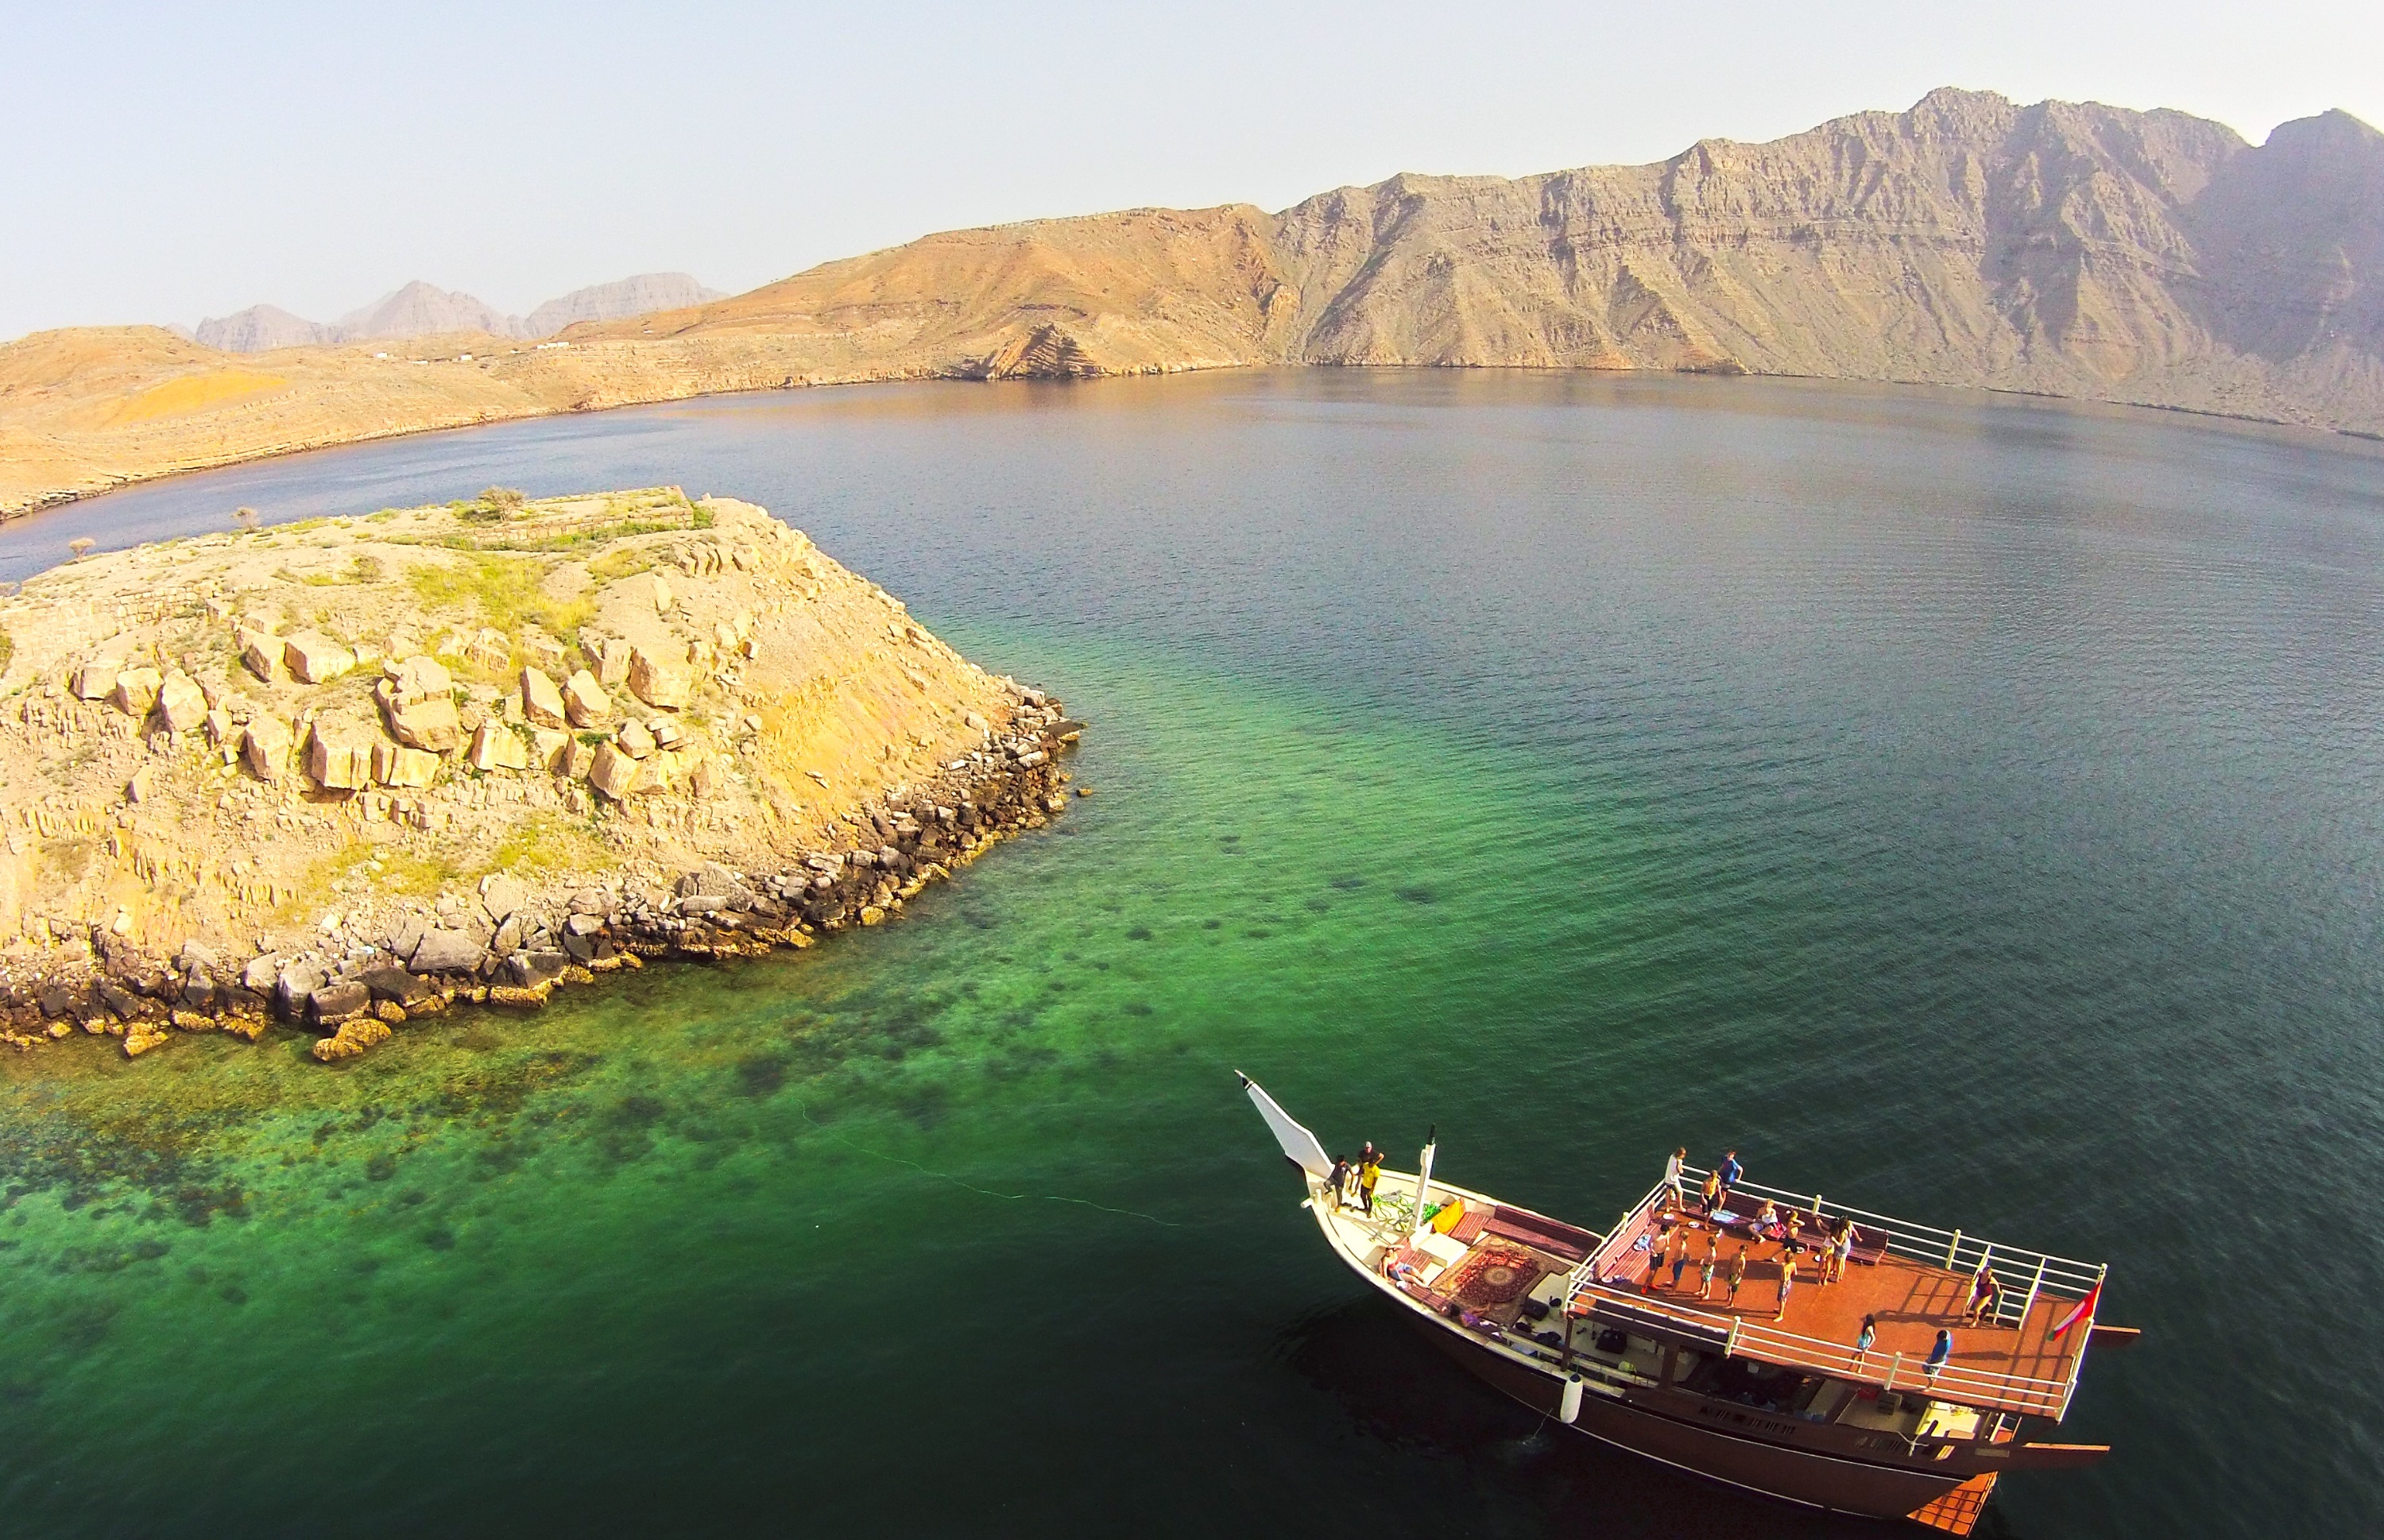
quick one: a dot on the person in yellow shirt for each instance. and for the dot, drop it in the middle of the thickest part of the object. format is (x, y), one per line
(1370, 1171)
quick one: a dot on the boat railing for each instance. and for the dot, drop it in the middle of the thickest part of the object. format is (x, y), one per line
(2024, 1274)
(1740, 1338)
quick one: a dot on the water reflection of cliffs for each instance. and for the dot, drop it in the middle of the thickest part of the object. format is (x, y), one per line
(2073, 250)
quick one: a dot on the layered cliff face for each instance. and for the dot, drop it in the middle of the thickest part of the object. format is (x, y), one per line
(2067, 249)
(2074, 249)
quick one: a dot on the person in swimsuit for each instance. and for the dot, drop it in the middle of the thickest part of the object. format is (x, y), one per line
(1706, 1268)
(1864, 1338)
(1787, 1282)
(1737, 1274)
(1986, 1289)
(1713, 1193)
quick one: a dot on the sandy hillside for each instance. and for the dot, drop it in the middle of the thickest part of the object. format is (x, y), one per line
(2066, 249)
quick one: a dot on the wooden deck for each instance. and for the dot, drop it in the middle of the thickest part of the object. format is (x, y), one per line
(1912, 1300)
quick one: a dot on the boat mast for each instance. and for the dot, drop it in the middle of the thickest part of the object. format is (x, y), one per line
(1423, 1177)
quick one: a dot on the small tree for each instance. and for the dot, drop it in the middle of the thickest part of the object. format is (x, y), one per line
(246, 517)
(81, 545)
(505, 499)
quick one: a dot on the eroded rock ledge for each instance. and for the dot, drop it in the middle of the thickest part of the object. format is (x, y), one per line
(345, 774)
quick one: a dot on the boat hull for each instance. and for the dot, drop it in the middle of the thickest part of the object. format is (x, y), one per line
(1794, 1475)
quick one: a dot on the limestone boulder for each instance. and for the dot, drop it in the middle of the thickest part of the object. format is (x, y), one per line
(354, 1037)
(260, 653)
(489, 648)
(314, 658)
(446, 951)
(142, 786)
(264, 747)
(612, 663)
(96, 680)
(613, 772)
(181, 704)
(432, 723)
(417, 702)
(136, 691)
(584, 701)
(634, 740)
(337, 1001)
(659, 684)
(498, 747)
(340, 756)
(544, 652)
(394, 765)
(550, 751)
(542, 702)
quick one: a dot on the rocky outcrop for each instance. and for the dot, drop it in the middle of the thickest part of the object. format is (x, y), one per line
(316, 846)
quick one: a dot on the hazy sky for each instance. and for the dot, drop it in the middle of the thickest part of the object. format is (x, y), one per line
(170, 162)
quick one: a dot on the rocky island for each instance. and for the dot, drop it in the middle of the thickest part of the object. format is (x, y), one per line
(341, 774)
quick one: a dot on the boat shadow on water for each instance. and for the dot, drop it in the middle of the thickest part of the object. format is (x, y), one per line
(1415, 1403)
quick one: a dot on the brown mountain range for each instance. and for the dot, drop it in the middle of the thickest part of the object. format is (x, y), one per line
(2066, 249)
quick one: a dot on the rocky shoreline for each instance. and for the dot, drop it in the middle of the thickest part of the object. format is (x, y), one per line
(515, 944)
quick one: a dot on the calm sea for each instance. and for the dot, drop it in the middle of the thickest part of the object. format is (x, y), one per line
(1971, 807)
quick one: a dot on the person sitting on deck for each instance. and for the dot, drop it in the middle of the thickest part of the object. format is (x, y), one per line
(1766, 1220)
(1713, 1193)
(1986, 1293)
(1938, 1355)
(1864, 1338)
(1787, 1282)
(1370, 1171)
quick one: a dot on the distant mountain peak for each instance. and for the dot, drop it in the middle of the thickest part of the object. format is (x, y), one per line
(421, 309)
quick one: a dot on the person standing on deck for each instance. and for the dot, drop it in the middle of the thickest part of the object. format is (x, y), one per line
(1938, 1355)
(1339, 1181)
(1706, 1268)
(1843, 1251)
(1713, 1193)
(1672, 1177)
(1731, 1173)
(1737, 1274)
(1864, 1338)
(1370, 1171)
(1787, 1282)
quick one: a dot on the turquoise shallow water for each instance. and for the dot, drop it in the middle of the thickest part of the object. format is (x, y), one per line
(1969, 805)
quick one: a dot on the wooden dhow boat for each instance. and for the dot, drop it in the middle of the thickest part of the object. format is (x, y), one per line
(1770, 1395)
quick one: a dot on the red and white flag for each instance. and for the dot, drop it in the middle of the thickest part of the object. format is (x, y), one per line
(2082, 1310)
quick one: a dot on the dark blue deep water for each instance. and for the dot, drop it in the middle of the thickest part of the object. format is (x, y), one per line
(1972, 807)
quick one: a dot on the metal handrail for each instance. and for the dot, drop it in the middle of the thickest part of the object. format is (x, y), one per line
(1953, 1251)
(2047, 1398)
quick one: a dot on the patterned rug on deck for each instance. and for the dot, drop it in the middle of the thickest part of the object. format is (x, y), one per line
(1496, 1273)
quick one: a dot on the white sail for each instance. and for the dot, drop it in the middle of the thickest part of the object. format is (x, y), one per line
(1297, 1142)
